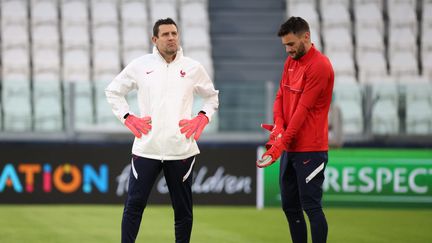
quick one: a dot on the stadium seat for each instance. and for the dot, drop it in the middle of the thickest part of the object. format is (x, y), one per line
(385, 90)
(76, 37)
(368, 15)
(15, 36)
(338, 40)
(83, 104)
(426, 17)
(104, 12)
(345, 79)
(370, 64)
(385, 103)
(402, 15)
(162, 10)
(196, 37)
(427, 64)
(401, 40)
(419, 118)
(134, 13)
(106, 64)
(74, 13)
(352, 117)
(418, 91)
(369, 39)
(426, 40)
(293, 3)
(16, 105)
(16, 64)
(418, 99)
(14, 13)
(76, 65)
(106, 37)
(194, 14)
(46, 65)
(45, 37)
(136, 38)
(339, 2)
(385, 118)
(47, 105)
(104, 115)
(403, 64)
(306, 9)
(44, 12)
(348, 96)
(347, 90)
(335, 16)
(343, 63)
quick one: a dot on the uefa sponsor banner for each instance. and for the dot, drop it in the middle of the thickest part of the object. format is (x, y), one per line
(364, 177)
(99, 173)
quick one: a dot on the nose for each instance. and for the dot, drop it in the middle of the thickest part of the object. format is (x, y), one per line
(287, 49)
(171, 36)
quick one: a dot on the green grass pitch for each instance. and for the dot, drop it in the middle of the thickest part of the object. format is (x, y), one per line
(101, 223)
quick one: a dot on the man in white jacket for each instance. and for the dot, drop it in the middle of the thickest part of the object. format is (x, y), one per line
(165, 130)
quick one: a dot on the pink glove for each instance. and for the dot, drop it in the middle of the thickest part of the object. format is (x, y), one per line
(275, 132)
(196, 125)
(138, 126)
(272, 154)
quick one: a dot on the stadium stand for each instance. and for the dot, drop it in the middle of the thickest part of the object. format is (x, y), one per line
(62, 53)
(385, 101)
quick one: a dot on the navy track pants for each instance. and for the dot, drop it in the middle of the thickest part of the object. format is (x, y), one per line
(301, 179)
(178, 176)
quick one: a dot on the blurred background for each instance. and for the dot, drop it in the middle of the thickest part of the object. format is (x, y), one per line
(57, 57)
(61, 144)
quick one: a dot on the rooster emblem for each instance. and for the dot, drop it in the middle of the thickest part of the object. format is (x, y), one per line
(182, 73)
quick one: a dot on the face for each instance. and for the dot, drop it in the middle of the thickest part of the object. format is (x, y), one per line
(167, 41)
(296, 45)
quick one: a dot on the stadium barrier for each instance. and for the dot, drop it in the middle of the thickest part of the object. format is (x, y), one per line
(66, 172)
(364, 177)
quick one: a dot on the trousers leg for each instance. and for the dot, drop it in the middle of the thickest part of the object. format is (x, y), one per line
(310, 177)
(142, 177)
(318, 224)
(291, 200)
(178, 175)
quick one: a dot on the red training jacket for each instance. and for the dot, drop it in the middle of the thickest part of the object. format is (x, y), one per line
(303, 101)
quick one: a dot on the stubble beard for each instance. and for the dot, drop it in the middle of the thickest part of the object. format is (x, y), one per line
(300, 52)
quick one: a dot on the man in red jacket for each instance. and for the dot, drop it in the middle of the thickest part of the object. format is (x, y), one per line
(301, 129)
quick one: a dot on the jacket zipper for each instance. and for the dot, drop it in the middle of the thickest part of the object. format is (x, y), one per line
(163, 121)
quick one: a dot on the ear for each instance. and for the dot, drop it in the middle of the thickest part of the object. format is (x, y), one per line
(154, 38)
(307, 36)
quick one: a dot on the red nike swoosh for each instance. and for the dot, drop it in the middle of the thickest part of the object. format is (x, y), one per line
(306, 161)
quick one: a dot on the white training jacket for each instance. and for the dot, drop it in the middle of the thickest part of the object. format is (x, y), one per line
(165, 93)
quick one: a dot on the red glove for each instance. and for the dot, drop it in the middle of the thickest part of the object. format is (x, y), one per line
(196, 125)
(138, 126)
(276, 131)
(272, 154)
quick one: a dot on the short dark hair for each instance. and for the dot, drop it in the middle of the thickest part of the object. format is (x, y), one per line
(162, 22)
(295, 25)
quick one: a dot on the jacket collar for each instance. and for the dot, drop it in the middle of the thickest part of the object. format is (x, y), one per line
(178, 55)
(308, 56)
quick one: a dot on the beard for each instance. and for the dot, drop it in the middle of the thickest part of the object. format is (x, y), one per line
(300, 52)
(171, 49)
